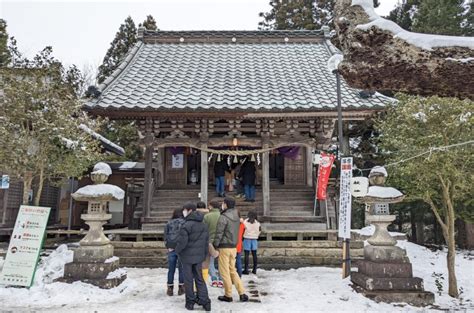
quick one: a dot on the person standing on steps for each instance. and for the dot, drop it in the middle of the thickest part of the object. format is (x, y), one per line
(172, 229)
(192, 248)
(225, 241)
(220, 167)
(251, 233)
(248, 176)
(210, 219)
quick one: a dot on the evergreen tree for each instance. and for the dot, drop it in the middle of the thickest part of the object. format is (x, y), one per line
(299, 14)
(5, 56)
(149, 23)
(443, 17)
(468, 23)
(124, 39)
(403, 14)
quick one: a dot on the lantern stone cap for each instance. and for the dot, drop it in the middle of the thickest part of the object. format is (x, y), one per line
(379, 194)
(378, 171)
(102, 168)
(99, 192)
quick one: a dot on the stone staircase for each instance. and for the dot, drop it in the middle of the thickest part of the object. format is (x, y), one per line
(287, 204)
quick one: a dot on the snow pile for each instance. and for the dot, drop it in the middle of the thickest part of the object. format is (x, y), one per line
(117, 273)
(127, 165)
(423, 41)
(102, 168)
(369, 231)
(52, 266)
(111, 259)
(333, 62)
(100, 190)
(383, 192)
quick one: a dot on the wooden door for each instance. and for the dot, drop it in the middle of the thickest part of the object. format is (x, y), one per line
(295, 170)
(175, 174)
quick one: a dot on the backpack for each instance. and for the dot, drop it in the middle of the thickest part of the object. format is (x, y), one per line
(172, 232)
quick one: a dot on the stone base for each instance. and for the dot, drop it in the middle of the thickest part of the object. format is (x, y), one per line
(387, 283)
(384, 270)
(90, 270)
(101, 283)
(385, 254)
(93, 254)
(415, 298)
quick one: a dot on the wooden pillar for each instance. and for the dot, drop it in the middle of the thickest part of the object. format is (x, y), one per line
(309, 166)
(266, 181)
(148, 184)
(204, 175)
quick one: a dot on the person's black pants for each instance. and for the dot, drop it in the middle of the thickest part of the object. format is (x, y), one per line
(193, 273)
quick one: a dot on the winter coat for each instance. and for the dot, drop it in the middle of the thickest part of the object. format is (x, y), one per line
(248, 173)
(220, 167)
(210, 219)
(227, 232)
(241, 234)
(172, 232)
(252, 230)
(193, 241)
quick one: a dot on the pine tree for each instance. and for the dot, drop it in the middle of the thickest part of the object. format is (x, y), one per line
(149, 23)
(124, 39)
(403, 14)
(468, 23)
(5, 56)
(299, 14)
(443, 17)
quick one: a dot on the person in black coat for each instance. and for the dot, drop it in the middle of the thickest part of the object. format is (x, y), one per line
(248, 176)
(220, 167)
(192, 248)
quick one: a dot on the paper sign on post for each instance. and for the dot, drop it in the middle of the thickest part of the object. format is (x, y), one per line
(25, 246)
(345, 199)
(359, 186)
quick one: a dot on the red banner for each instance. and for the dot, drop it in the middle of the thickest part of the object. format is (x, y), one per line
(325, 165)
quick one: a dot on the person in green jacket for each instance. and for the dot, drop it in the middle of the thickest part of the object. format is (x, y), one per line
(211, 219)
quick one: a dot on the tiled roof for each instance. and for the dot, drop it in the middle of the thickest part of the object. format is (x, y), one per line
(238, 71)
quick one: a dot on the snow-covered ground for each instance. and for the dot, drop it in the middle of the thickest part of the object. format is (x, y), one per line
(303, 290)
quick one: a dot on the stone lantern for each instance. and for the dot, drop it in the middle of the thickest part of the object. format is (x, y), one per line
(94, 261)
(385, 273)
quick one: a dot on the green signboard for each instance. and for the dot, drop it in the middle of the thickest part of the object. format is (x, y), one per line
(25, 246)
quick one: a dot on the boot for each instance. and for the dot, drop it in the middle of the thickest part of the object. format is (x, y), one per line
(225, 299)
(189, 306)
(180, 290)
(207, 306)
(244, 298)
(246, 261)
(169, 292)
(254, 256)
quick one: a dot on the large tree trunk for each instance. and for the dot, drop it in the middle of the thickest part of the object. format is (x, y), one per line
(27, 180)
(40, 187)
(451, 240)
(382, 56)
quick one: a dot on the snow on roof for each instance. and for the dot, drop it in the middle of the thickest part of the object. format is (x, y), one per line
(102, 168)
(100, 191)
(423, 41)
(333, 62)
(127, 165)
(378, 170)
(383, 192)
(114, 147)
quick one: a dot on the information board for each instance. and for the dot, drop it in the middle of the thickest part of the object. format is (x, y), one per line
(25, 246)
(345, 199)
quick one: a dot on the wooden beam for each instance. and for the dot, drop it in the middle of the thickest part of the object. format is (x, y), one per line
(204, 175)
(266, 181)
(309, 166)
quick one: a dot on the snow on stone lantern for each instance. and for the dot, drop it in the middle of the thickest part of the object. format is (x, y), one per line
(385, 273)
(93, 260)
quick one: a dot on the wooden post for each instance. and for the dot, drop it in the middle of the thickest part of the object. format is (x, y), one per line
(148, 190)
(5, 206)
(204, 175)
(309, 167)
(266, 181)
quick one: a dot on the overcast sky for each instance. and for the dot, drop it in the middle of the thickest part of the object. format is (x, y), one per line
(80, 31)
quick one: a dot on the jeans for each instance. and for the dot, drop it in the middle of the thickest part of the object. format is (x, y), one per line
(193, 274)
(249, 192)
(212, 269)
(220, 184)
(239, 186)
(173, 261)
(238, 263)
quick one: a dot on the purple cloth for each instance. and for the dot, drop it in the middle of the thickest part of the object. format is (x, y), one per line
(176, 150)
(289, 152)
